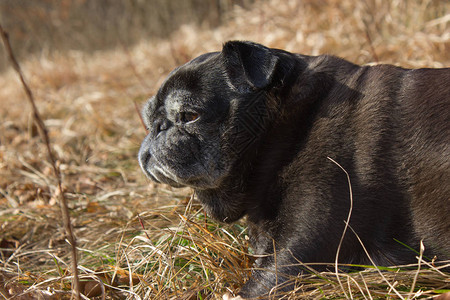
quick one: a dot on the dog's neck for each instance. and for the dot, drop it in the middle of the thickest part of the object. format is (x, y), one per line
(255, 190)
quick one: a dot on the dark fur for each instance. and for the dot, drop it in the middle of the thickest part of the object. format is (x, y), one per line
(268, 121)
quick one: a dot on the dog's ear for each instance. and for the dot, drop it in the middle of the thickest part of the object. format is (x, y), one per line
(248, 65)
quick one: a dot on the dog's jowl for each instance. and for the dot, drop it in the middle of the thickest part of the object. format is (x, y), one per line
(251, 129)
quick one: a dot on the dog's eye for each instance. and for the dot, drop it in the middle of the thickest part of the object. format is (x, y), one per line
(189, 116)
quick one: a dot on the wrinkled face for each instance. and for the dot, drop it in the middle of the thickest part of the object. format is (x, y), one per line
(205, 118)
(186, 120)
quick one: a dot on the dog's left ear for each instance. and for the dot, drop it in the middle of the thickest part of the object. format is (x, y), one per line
(249, 65)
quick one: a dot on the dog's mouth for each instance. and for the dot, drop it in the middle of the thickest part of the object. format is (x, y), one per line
(158, 175)
(160, 178)
(185, 169)
(155, 171)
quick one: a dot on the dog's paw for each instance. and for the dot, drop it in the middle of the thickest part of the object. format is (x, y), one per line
(228, 296)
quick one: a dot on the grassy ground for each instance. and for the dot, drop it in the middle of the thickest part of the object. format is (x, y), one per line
(144, 241)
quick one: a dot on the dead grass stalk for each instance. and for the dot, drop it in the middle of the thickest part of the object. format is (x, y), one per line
(44, 135)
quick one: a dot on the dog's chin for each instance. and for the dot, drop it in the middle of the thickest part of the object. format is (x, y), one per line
(196, 184)
(171, 182)
(159, 178)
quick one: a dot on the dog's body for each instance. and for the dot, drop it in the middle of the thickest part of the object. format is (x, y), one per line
(250, 129)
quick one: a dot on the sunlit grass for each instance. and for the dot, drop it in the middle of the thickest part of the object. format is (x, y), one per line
(173, 251)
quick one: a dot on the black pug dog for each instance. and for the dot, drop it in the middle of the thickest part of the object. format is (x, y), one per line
(251, 129)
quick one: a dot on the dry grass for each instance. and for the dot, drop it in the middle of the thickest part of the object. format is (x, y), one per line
(172, 251)
(61, 25)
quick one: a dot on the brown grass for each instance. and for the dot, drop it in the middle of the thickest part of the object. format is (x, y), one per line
(176, 252)
(46, 26)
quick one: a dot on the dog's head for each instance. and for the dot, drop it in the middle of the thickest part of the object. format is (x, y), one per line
(206, 114)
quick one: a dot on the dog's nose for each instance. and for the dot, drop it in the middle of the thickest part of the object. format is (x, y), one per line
(162, 126)
(144, 158)
(144, 153)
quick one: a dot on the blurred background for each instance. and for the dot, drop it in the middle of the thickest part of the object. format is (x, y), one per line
(41, 26)
(45, 26)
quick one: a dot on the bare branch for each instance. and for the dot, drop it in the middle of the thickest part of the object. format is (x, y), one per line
(44, 135)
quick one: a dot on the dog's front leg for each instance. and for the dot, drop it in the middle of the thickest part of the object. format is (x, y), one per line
(228, 296)
(271, 275)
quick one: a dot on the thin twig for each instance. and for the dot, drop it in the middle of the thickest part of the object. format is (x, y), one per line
(345, 228)
(369, 40)
(44, 135)
(365, 285)
(136, 106)
(132, 66)
(391, 286)
(143, 227)
(276, 266)
(422, 249)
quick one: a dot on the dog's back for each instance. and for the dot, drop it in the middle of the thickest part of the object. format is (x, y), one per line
(389, 128)
(424, 117)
